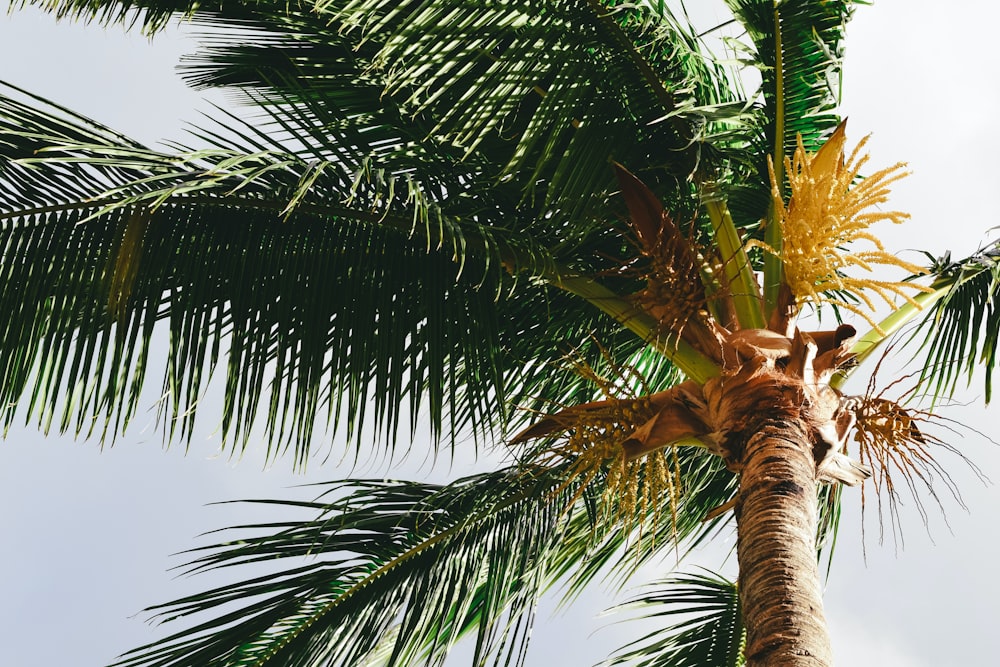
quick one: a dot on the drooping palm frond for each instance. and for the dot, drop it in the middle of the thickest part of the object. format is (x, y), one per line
(962, 330)
(350, 138)
(422, 562)
(318, 278)
(349, 148)
(710, 632)
(955, 322)
(346, 301)
(415, 567)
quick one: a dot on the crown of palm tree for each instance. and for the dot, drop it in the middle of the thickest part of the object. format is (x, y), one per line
(430, 212)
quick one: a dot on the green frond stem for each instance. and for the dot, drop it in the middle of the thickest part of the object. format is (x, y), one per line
(738, 271)
(899, 318)
(641, 64)
(773, 268)
(779, 99)
(695, 365)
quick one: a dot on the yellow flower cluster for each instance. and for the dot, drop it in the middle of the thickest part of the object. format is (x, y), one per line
(636, 491)
(633, 490)
(830, 207)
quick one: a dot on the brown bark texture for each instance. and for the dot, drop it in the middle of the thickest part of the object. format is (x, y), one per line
(766, 423)
(776, 518)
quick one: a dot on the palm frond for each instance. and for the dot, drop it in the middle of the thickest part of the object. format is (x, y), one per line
(797, 48)
(710, 633)
(962, 329)
(150, 17)
(391, 172)
(546, 94)
(351, 301)
(86, 274)
(414, 567)
(828, 521)
(420, 562)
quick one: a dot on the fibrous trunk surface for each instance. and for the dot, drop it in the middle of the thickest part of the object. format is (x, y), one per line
(776, 518)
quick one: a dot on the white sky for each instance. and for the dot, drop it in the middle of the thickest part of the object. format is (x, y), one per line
(87, 534)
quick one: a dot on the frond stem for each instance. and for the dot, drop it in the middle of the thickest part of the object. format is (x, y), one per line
(652, 80)
(742, 284)
(693, 363)
(773, 269)
(868, 343)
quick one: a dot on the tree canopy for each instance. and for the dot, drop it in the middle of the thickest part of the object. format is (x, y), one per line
(420, 219)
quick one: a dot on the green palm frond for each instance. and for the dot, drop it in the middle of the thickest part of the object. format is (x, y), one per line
(404, 569)
(797, 48)
(955, 324)
(546, 94)
(422, 563)
(337, 157)
(319, 277)
(563, 88)
(710, 633)
(442, 146)
(962, 329)
(349, 302)
(150, 17)
(828, 524)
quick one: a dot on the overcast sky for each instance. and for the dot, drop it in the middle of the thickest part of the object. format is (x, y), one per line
(87, 533)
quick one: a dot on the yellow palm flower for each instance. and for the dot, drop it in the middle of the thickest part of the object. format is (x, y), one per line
(831, 207)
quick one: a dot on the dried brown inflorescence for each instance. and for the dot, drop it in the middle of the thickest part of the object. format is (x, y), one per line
(898, 444)
(674, 292)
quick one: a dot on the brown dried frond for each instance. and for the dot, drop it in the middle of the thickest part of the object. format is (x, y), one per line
(674, 292)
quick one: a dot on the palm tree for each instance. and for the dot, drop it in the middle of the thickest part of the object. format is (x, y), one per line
(559, 225)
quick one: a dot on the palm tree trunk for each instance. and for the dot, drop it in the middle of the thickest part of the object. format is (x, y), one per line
(776, 547)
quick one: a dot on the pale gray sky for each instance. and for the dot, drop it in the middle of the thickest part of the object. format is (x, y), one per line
(88, 533)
